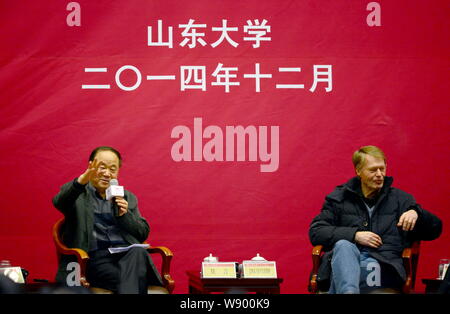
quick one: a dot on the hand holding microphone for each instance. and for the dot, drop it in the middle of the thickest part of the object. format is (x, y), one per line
(115, 192)
(123, 205)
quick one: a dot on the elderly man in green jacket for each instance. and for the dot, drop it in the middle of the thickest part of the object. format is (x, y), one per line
(95, 224)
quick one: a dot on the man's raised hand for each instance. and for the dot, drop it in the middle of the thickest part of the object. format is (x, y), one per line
(92, 168)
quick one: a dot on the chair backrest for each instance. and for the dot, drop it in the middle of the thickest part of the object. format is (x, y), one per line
(56, 234)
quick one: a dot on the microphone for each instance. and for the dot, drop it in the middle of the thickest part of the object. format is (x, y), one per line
(112, 191)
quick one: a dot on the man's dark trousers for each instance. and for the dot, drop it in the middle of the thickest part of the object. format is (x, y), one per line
(123, 273)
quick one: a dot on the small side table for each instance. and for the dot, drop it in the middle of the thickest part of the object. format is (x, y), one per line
(198, 285)
(431, 285)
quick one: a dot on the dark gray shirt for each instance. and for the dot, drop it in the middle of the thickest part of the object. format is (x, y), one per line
(106, 233)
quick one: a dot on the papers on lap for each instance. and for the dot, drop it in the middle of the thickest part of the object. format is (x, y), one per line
(114, 250)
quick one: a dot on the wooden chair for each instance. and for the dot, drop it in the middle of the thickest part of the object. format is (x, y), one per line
(82, 259)
(410, 258)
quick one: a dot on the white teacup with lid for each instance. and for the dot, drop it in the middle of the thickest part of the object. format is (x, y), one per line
(259, 258)
(211, 259)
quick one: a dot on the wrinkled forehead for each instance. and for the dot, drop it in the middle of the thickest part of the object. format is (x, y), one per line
(107, 158)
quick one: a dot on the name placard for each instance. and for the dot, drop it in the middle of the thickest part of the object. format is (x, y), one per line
(219, 270)
(252, 269)
(14, 273)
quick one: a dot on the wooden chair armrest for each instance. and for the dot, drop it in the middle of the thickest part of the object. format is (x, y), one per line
(164, 251)
(410, 256)
(409, 252)
(317, 250)
(166, 255)
(316, 256)
(81, 255)
(82, 259)
(61, 249)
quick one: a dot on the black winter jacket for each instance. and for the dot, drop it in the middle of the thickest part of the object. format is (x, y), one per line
(344, 213)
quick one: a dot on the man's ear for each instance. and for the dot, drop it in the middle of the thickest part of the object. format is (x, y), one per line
(357, 172)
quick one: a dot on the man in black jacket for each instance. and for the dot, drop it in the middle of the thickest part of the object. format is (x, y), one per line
(365, 224)
(95, 224)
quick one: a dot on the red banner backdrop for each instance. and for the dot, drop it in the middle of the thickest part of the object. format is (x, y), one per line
(176, 86)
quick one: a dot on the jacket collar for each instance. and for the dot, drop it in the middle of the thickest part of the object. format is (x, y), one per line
(93, 191)
(354, 185)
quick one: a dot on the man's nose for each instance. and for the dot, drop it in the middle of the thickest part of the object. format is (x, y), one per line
(379, 173)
